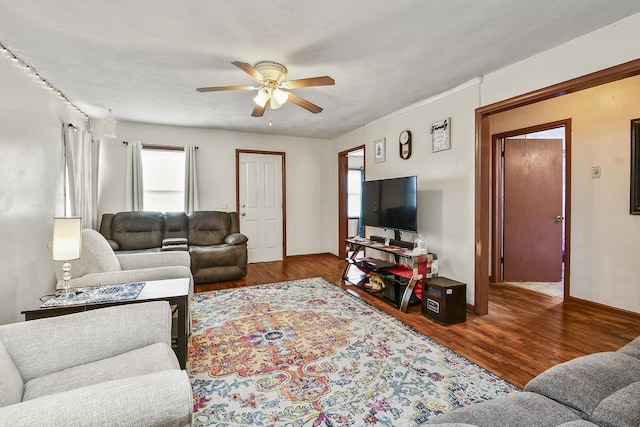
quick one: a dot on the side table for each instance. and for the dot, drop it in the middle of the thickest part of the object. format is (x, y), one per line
(175, 291)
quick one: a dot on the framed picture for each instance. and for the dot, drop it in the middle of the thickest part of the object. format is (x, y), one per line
(379, 150)
(634, 208)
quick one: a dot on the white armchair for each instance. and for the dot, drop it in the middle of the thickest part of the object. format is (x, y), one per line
(105, 367)
(99, 265)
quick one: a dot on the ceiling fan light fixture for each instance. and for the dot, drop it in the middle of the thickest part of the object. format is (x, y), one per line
(262, 97)
(280, 96)
(274, 104)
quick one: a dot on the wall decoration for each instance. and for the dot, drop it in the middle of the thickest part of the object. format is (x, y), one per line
(379, 150)
(634, 208)
(405, 144)
(441, 135)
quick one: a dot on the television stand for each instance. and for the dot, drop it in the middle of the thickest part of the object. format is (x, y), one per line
(393, 242)
(418, 264)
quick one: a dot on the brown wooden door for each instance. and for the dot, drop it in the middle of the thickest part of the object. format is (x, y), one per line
(533, 201)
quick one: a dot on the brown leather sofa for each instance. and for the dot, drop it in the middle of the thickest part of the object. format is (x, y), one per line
(218, 250)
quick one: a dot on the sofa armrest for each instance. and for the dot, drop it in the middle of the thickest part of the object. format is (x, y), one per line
(114, 245)
(235, 239)
(134, 261)
(129, 276)
(158, 399)
(42, 346)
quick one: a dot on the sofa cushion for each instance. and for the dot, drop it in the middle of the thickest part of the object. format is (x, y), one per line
(621, 408)
(11, 384)
(153, 358)
(583, 383)
(209, 227)
(96, 256)
(175, 225)
(632, 349)
(519, 409)
(137, 230)
(157, 399)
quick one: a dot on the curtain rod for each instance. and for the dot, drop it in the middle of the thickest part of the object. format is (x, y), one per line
(160, 147)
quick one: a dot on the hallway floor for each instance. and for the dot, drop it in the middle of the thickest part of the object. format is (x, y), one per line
(554, 289)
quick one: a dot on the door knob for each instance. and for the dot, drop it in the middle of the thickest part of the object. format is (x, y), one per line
(243, 213)
(559, 218)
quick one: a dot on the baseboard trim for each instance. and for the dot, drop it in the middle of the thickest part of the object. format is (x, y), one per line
(309, 255)
(609, 309)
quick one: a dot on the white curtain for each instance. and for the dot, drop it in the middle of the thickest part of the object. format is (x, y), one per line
(81, 169)
(134, 191)
(191, 198)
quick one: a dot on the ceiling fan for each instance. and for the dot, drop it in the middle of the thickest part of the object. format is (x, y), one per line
(274, 89)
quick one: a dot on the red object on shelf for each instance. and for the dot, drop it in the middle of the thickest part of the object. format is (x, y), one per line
(407, 273)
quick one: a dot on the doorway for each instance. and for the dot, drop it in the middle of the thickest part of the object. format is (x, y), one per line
(485, 160)
(261, 203)
(530, 186)
(350, 162)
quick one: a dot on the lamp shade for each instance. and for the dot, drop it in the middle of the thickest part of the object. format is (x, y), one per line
(67, 238)
(262, 97)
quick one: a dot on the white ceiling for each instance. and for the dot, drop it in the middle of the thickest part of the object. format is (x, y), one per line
(144, 58)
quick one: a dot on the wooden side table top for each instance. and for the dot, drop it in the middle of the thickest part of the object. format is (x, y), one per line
(153, 290)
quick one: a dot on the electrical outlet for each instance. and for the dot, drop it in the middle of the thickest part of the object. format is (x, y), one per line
(225, 205)
(595, 172)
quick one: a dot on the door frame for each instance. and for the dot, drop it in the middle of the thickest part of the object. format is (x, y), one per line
(284, 190)
(484, 162)
(497, 205)
(343, 170)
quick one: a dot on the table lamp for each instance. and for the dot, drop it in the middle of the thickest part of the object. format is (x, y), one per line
(67, 241)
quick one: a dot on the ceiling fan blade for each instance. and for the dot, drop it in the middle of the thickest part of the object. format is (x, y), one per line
(301, 102)
(258, 111)
(311, 81)
(248, 68)
(221, 88)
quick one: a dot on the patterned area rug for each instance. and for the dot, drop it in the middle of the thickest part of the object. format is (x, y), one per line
(307, 353)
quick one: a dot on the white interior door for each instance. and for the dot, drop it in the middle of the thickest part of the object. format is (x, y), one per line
(260, 210)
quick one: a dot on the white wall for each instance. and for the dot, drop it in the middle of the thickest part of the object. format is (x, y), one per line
(307, 175)
(446, 179)
(31, 118)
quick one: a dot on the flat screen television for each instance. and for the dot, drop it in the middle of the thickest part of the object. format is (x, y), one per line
(390, 203)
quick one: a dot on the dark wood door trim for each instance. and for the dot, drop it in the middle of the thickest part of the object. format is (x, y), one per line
(282, 154)
(484, 161)
(343, 223)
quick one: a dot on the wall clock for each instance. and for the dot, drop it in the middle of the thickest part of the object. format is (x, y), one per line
(441, 135)
(405, 144)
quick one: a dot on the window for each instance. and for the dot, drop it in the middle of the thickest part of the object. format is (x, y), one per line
(354, 184)
(163, 178)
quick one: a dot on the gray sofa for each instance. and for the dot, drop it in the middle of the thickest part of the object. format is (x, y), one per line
(105, 367)
(217, 248)
(601, 389)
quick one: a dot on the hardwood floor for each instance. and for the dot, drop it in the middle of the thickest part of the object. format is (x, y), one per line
(524, 333)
